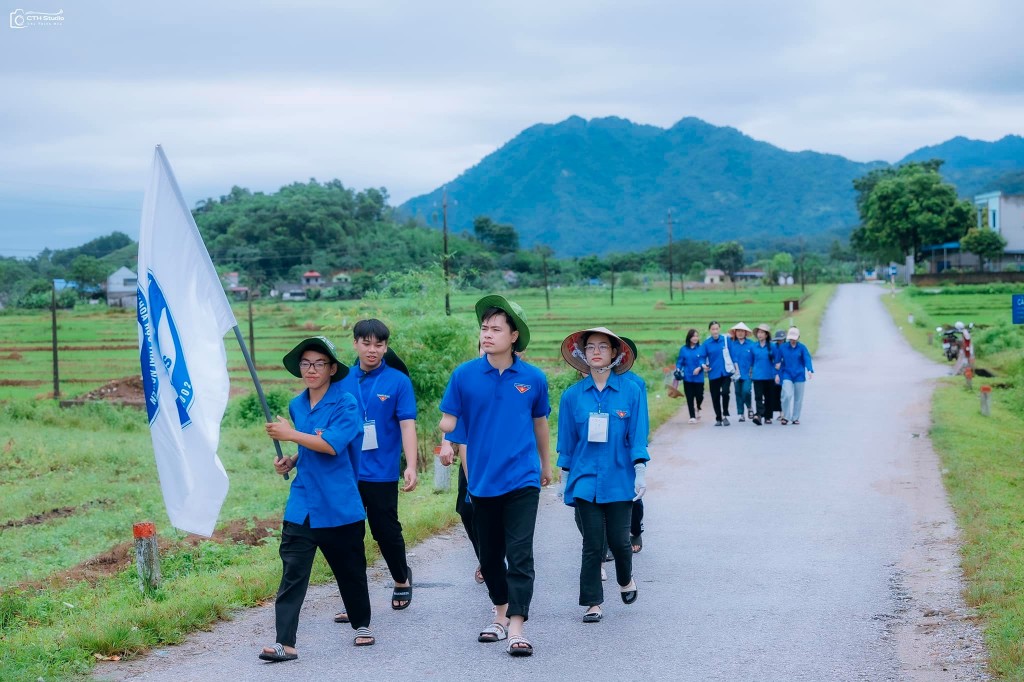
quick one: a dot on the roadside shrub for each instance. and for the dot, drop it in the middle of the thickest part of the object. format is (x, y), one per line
(998, 338)
(247, 410)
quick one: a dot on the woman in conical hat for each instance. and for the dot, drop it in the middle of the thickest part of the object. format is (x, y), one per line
(741, 352)
(603, 455)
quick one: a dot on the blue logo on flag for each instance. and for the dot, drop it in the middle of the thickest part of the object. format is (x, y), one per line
(160, 340)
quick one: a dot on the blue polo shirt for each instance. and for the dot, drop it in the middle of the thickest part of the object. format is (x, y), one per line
(764, 362)
(742, 355)
(795, 362)
(325, 487)
(690, 359)
(644, 427)
(496, 412)
(384, 396)
(714, 356)
(601, 472)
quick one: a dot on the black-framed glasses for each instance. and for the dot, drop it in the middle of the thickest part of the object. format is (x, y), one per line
(318, 365)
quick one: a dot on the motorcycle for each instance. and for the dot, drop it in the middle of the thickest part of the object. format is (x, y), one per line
(952, 341)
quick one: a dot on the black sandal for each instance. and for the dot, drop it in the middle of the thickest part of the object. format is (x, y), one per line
(628, 595)
(402, 595)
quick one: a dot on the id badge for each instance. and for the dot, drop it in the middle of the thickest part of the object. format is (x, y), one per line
(369, 435)
(597, 427)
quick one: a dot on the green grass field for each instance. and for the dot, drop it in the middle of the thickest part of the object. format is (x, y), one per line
(77, 478)
(982, 455)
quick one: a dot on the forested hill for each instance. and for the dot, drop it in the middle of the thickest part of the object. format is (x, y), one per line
(580, 186)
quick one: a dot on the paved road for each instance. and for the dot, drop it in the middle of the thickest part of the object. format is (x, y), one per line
(824, 551)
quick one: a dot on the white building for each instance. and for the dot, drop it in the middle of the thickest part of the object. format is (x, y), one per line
(122, 288)
(1004, 213)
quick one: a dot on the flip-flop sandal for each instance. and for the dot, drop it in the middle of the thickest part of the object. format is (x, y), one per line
(364, 633)
(628, 595)
(783, 421)
(341, 617)
(524, 647)
(402, 595)
(637, 543)
(478, 576)
(495, 632)
(278, 656)
(592, 617)
(796, 422)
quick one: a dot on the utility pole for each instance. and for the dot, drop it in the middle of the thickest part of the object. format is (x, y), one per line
(544, 260)
(802, 285)
(671, 286)
(252, 337)
(53, 320)
(447, 281)
(613, 284)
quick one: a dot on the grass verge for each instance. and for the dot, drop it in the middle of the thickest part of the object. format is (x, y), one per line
(982, 461)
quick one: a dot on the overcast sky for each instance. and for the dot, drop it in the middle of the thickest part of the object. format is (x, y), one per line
(407, 95)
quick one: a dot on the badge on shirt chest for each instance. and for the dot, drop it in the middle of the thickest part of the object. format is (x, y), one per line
(369, 435)
(597, 427)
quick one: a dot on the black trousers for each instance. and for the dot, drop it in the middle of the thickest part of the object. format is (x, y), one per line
(504, 531)
(773, 399)
(720, 396)
(465, 511)
(342, 546)
(381, 502)
(762, 397)
(602, 524)
(636, 524)
(694, 393)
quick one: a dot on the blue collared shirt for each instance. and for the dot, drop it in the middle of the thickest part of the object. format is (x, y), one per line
(714, 356)
(764, 362)
(742, 355)
(325, 487)
(644, 426)
(796, 362)
(601, 472)
(384, 396)
(690, 359)
(496, 412)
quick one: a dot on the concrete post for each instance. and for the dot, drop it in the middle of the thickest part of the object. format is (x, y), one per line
(986, 401)
(147, 555)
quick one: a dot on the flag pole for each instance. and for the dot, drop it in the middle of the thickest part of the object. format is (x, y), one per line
(259, 389)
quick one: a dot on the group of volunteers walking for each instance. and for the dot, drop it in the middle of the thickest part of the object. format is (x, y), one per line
(767, 378)
(352, 427)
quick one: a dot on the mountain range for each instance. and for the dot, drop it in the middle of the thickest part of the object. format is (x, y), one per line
(607, 185)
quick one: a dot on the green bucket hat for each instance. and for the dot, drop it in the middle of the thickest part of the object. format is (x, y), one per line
(320, 344)
(391, 359)
(632, 346)
(513, 310)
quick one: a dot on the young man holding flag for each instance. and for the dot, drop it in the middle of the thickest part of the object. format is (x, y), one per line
(323, 509)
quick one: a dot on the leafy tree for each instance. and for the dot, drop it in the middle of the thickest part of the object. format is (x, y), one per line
(728, 257)
(908, 208)
(696, 272)
(502, 238)
(591, 267)
(88, 271)
(782, 264)
(985, 243)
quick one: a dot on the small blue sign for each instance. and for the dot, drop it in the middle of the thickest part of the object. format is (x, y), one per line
(892, 270)
(1018, 308)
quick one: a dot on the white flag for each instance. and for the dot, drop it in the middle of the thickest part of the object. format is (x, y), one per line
(183, 316)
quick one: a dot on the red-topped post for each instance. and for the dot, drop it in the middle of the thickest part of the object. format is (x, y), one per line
(147, 555)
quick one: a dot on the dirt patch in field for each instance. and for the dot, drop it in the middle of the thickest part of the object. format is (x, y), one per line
(20, 382)
(122, 555)
(57, 513)
(126, 391)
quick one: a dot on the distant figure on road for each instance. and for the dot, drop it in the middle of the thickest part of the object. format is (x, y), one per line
(690, 370)
(719, 378)
(324, 509)
(795, 368)
(741, 351)
(773, 402)
(763, 374)
(502, 403)
(602, 448)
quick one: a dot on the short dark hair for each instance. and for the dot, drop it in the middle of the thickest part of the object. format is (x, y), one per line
(712, 323)
(495, 310)
(371, 329)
